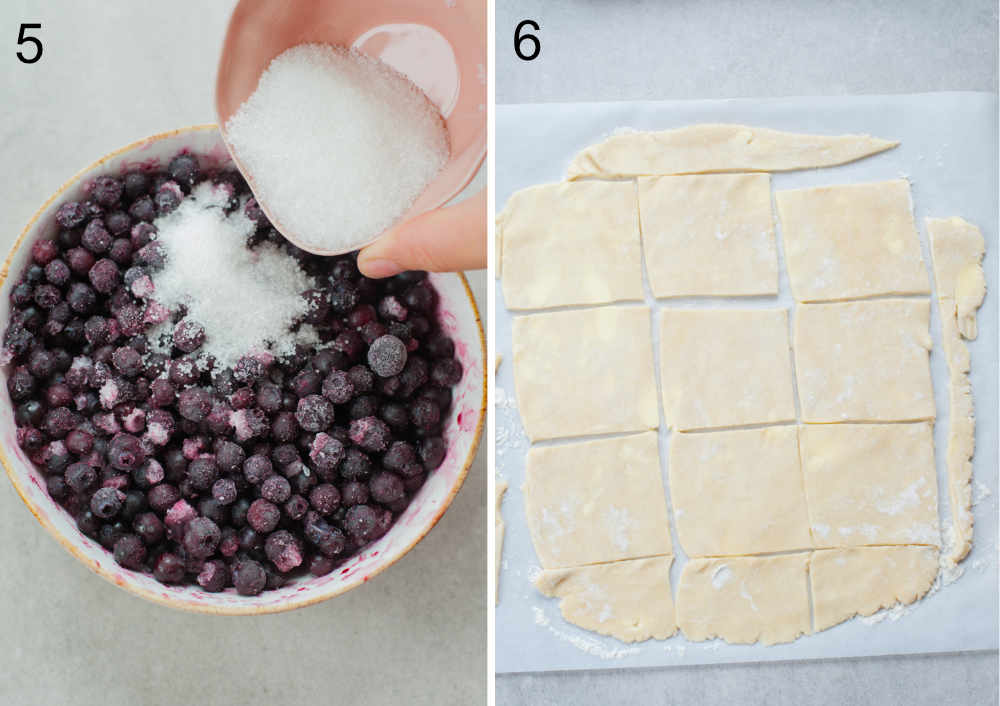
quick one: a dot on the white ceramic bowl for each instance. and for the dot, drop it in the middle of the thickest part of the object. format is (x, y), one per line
(458, 316)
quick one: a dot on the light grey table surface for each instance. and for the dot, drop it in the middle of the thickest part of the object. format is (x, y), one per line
(114, 72)
(602, 50)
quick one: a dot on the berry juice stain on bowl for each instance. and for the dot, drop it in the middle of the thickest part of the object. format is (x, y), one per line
(338, 145)
(211, 417)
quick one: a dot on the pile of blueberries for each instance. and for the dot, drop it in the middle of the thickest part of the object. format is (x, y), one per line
(241, 476)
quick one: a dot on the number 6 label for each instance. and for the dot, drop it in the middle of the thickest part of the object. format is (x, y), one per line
(534, 46)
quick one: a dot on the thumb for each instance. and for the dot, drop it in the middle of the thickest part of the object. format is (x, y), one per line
(443, 240)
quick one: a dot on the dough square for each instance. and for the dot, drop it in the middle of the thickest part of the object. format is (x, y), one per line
(629, 600)
(570, 244)
(744, 599)
(738, 492)
(862, 580)
(588, 371)
(851, 240)
(709, 235)
(725, 367)
(870, 483)
(864, 361)
(596, 501)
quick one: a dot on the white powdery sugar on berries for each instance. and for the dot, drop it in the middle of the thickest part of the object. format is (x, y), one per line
(338, 144)
(247, 300)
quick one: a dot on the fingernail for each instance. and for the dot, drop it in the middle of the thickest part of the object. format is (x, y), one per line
(380, 268)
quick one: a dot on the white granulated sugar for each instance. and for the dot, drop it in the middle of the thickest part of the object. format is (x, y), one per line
(338, 145)
(246, 300)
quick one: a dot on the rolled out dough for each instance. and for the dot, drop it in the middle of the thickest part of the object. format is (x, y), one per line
(499, 527)
(864, 361)
(957, 249)
(870, 483)
(725, 367)
(707, 148)
(862, 580)
(588, 371)
(570, 244)
(596, 501)
(744, 599)
(851, 240)
(708, 235)
(629, 600)
(738, 492)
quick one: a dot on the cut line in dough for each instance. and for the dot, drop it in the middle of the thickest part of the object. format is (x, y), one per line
(713, 148)
(957, 249)
(863, 580)
(628, 600)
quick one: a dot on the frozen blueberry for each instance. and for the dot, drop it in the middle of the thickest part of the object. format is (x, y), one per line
(284, 550)
(81, 477)
(276, 488)
(361, 521)
(314, 413)
(169, 568)
(338, 388)
(399, 455)
(189, 336)
(446, 372)
(58, 273)
(432, 452)
(201, 538)
(325, 498)
(214, 576)
(194, 404)
(149, 527)
(387, 356)
(249, 577)
(202, 472)
(71, 214)
(386, 488)
(263, 515)
(130, 552)
(256, 468)
(96, 238)
(296, 507)
(106, 502)
(356, 465)
(125, 452)
(104, 276)
(370, 434)
(108, 190)
(425, 413)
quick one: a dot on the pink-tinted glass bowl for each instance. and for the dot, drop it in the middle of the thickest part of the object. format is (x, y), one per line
(458, 316)
(440, 45)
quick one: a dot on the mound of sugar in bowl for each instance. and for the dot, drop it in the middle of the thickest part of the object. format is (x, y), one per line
(337, 145)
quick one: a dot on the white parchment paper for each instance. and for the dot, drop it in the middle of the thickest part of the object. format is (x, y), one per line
(949, 154)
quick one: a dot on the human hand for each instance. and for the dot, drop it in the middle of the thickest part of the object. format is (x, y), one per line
(443, 240)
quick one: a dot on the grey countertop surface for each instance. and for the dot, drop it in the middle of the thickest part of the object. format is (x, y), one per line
(111, 73)
(600, 50)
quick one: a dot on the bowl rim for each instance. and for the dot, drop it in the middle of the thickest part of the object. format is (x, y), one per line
(249, 608)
